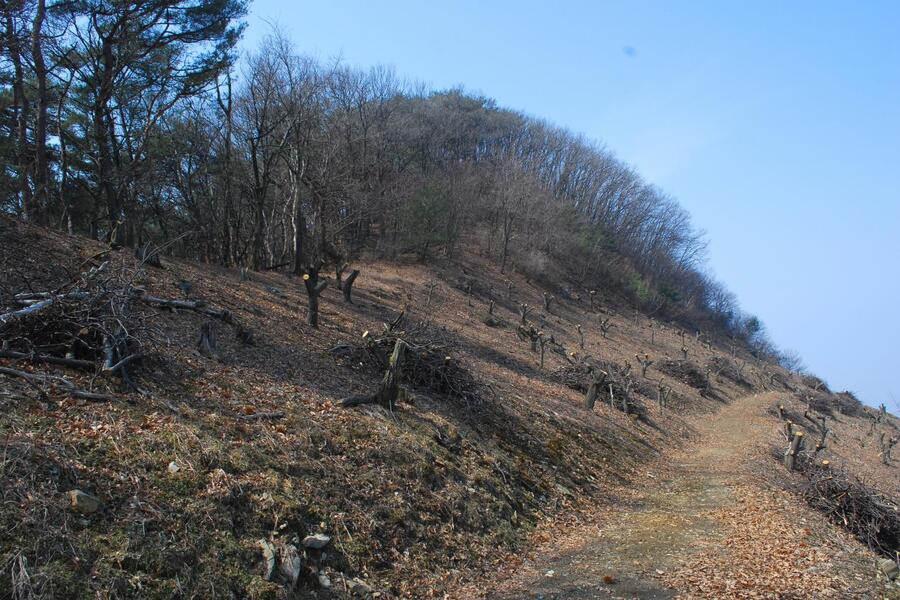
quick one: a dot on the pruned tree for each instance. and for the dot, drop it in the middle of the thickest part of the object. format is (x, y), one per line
(542, 342)
(524, 309)
(388, 391)
(605, 326)
(206, 345)
(793, 451)
(347, 286)
(662, 395)
(886, 444)
(645, 363)
(548, 300)
(599, 378)
(314, 287)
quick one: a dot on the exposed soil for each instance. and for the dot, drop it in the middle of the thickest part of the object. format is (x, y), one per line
(701, 527)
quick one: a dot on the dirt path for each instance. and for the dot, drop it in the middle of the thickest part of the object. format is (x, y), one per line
(640, 542)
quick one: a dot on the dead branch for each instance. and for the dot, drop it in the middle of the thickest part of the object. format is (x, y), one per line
(67, 385)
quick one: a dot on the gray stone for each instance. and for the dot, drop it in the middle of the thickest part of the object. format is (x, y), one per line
(324, 581)
(360, 588)
(268, 551)
(889, 568)
(316, 542)
(84, 503)
(291, 564)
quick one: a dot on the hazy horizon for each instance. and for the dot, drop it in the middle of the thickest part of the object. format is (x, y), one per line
(776, 126)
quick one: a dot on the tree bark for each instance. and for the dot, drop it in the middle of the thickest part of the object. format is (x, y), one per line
(594, 391)
(207, 343)
(41, 168)
(20, 101)
(347, 286)
(790, 457)
(314, 287)
(387, 392)
(101, 138)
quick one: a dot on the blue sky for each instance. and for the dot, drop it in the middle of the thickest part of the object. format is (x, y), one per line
(776, 124)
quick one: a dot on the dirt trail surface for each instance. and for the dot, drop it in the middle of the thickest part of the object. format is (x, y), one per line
(699, 529)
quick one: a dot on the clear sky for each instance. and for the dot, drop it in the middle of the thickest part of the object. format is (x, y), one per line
(776, 124)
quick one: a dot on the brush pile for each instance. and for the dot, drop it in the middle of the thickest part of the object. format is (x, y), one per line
(619, 386)
(99, 322)
(430, 362)
(873, 518)
(91, 323)
(684, 371)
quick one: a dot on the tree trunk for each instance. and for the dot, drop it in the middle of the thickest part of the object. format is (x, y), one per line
(387, 392)
(591, 397)
(228, 209)
(314, 287)
(207, 343)
(41, 169)
(102, 140)
(790, 457)
(347, 286)
(21, 112)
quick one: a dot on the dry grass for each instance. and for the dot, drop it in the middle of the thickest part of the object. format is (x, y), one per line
(418, 499)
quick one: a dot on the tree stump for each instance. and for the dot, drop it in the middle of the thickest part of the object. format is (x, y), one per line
(347, 285)
(548, 299)
(524, 309)
(594, 389)
(207, 343)
(388, 390)
(314, 287)
(790, 457)
(148, 255)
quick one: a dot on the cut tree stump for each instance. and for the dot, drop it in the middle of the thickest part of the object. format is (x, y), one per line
(347, 285)
(594, 390)
(314, 287)
(790, 457)
(148, 255)
(207, 343)
(389, 389)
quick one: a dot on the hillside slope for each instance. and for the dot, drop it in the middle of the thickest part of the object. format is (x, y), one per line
(209, 456)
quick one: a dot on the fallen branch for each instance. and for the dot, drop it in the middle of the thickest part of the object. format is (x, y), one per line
(7, 318)
(65, 383)
(53, 360)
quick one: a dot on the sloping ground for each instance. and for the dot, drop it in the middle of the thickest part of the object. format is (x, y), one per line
(707, 524)
(416, 501)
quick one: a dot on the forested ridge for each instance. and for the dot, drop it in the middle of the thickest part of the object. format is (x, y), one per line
(137, 123)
